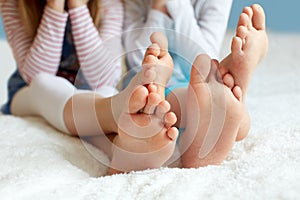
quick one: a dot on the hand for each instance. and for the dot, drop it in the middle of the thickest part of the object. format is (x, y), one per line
(58, 5)
(76, 3)
(160, 5)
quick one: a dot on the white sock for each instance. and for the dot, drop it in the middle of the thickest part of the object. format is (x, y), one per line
(46, 96)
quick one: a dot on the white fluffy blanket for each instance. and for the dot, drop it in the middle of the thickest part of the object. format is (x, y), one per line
(37, 162)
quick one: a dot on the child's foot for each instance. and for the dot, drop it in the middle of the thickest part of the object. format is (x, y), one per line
(145, 137)
(157, 68)
(144, 141)
(157, 56)
(248, 47)
(213, 116)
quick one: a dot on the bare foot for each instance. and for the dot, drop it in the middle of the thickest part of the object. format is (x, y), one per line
(157, 69)
(157, 56)
(145, 136)
(144, 141)
(248, 48)
(214, 114)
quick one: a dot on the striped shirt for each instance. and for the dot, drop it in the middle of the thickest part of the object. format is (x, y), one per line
(98, 49)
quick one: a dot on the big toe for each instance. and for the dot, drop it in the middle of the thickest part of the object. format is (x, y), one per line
(200, 69)
(138, 99)
(258, 19)
(161, 40)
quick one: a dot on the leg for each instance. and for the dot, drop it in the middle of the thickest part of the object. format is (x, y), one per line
(157, 68)
(88, 113)
(43, 98)
(214, 116)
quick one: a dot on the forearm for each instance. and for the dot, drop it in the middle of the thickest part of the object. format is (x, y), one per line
(41, 54)
(99, 62)
(45, 53)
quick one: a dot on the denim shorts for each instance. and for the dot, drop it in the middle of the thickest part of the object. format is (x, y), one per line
(16, 82)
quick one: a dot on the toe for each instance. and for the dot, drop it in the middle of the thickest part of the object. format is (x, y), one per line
(242, 32)
(162, 108)
(172, 133)
(228, 80)
(258, 19)
(153, 49)
(152, 101)
(200, 69)
(149, 60)
(170, 119)
(161, 40)
(237, 92)
(152, 88)
(214, 74)
(138, 99)
(244, 20)
(236, 45)
(248, 11)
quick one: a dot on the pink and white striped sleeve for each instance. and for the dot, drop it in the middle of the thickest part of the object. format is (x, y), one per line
(99, 48)
(41, 54)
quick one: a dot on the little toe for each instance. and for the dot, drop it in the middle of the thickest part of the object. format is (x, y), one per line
(228, 80)
(172, 133)
(258, 19)
(162, 108)
(237, 92)
(138, 99)
(152, 101)
(170, 119)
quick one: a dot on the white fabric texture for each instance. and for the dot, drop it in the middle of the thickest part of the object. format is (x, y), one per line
(37, 162)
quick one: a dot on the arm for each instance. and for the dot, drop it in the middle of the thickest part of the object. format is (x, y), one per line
(204, 24)
(99, 48)
(41, 54)
(140, 22)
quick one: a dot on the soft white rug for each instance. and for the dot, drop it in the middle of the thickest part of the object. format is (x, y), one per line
(37, 162)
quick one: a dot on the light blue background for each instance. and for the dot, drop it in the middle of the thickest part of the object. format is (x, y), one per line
(282, 15)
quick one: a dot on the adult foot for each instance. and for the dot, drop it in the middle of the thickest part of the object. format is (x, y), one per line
(144, 141)
(248, 47)
(213, 116)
